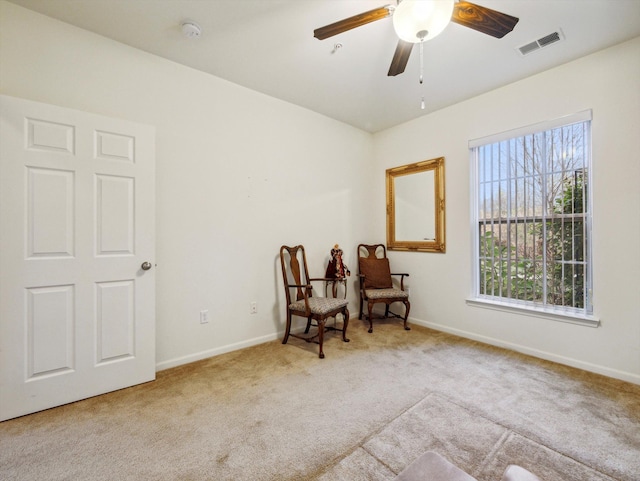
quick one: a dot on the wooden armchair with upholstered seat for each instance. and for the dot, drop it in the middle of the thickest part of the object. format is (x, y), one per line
(376, 284)
(301, 301)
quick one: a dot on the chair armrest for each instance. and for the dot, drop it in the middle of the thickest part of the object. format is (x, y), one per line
(402, 276)
(307, 288)
(363, 283)
(305, 294)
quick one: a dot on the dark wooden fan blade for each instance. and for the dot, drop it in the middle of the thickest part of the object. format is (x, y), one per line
(352, 22)
(483, 19)
(400, 58)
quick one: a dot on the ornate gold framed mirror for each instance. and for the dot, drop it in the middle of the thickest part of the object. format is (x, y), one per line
(416, 207)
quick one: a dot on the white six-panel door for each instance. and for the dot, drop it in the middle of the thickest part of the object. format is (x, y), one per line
(77, 311)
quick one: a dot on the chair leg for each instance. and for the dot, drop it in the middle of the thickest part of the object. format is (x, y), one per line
(370, 317)
(306, 331)
(386, 310)
(407, 306)
(361, 302)
(345, 323)
(287, 329)
(321, 336)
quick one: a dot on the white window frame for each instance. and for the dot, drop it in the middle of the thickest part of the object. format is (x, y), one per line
(576, 316)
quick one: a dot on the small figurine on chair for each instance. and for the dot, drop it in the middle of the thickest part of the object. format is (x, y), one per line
(336, 268)
(336, 271)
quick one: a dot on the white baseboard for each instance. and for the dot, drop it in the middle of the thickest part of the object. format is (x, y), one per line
(567, 361)
(198, 356)
(549, 356)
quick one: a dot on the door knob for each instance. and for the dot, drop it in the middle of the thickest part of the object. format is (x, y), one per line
(146, 266)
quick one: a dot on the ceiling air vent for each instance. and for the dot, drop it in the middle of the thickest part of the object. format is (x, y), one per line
(540, 43)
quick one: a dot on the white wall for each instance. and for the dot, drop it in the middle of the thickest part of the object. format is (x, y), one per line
(606, 82)
(236, 170)
(238, 175)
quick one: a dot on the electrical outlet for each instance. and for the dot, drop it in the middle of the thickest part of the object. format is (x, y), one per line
(204, 316)
(253, 308)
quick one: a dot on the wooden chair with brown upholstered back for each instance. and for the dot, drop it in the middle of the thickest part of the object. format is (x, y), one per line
(376, 284)
(301, 301)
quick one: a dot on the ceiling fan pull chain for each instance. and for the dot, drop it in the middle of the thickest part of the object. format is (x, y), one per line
(421, 68)
(421, 59)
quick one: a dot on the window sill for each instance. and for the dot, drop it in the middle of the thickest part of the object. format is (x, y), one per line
(588, 321)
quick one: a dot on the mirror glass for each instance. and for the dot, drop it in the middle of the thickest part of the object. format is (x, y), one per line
(415, 207)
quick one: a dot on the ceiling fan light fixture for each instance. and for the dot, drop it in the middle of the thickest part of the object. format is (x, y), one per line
(418, 20)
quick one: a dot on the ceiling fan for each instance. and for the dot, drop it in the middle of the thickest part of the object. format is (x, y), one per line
(420, 20)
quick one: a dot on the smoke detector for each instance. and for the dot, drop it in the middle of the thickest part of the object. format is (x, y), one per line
(191, 29)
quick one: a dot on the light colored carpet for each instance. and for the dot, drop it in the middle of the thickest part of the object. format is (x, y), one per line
(277, 412)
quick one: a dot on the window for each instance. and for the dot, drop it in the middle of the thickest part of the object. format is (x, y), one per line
(533, 218)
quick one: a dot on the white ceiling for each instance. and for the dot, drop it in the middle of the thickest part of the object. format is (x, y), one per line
(268, 46)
